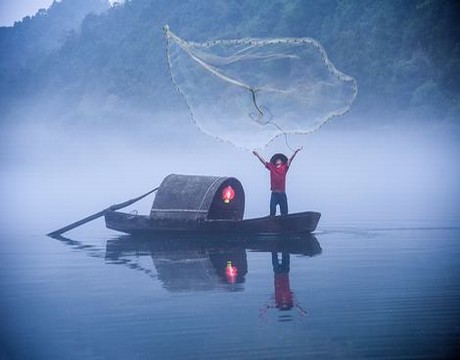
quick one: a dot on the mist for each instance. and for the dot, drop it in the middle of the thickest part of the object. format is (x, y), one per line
(53, 175)
(90, 116)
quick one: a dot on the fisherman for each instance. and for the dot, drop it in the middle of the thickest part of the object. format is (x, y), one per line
(278, 167)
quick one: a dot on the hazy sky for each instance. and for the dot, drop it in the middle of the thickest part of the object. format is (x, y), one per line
(14, 10)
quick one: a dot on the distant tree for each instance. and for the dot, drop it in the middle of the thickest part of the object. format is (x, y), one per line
(405, 54)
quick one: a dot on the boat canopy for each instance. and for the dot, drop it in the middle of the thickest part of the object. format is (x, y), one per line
(198, 198)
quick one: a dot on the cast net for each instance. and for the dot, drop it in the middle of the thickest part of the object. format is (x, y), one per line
(250, 91)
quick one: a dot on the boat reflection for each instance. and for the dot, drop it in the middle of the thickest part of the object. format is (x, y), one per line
(197, 264)
(193, 263)
(181, 265)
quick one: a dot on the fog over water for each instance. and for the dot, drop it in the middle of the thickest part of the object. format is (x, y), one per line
(54, 174)
(89, 117)
(383, 263)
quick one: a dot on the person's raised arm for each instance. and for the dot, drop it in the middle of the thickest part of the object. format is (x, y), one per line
(262, 160)
(293, 156)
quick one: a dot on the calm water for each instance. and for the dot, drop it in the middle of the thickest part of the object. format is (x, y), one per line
(351, 291)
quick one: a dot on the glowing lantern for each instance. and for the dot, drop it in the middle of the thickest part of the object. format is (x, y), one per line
(231, 272)
(228, 194)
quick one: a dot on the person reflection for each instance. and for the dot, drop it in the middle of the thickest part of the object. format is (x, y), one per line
(283, 298)
(283, 293)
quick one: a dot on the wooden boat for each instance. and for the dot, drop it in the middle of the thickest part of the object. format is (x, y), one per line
(205, 204)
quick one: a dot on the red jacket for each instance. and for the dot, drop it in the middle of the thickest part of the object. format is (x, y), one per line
(277, 176)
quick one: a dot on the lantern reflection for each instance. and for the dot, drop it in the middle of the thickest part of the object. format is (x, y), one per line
(231, 272)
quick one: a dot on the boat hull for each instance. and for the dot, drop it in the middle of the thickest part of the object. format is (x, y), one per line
(304, 222)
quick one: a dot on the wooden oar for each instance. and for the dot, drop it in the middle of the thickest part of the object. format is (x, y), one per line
(97, 215)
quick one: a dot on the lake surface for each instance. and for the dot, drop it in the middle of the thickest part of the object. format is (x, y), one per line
(351, 291)
(372, 283)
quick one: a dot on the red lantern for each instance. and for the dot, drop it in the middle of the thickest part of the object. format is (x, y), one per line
(228, 194)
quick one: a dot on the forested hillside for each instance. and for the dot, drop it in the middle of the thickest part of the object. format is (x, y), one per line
(405, 54)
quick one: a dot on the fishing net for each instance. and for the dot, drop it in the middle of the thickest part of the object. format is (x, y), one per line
(250, 91)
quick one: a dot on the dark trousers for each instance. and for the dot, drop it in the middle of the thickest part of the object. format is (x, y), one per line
(278, 198)
(283, 265)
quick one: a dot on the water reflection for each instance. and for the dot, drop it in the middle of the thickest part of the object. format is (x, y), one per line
(283, 298)
(202, 264)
